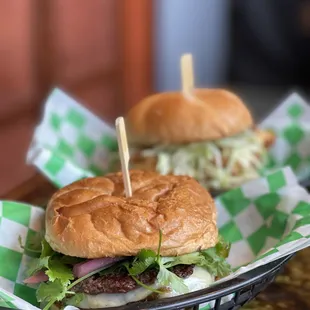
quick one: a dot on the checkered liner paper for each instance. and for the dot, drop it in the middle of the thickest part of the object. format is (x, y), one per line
(71, 142)
(264, 220)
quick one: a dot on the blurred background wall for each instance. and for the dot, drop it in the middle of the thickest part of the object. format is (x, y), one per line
(109, 54)
(260, 49)
(99, 51)
(200, 27)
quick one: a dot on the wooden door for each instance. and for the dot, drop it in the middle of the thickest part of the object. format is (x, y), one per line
(97, 50)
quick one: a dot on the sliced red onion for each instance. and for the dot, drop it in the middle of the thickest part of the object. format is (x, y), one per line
(82, 269)
(37, 278)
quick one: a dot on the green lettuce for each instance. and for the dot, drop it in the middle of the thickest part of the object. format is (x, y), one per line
(58, 268)
(213, 260)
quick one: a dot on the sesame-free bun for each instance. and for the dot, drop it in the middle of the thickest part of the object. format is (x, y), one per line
(91, 218)
(172, 117)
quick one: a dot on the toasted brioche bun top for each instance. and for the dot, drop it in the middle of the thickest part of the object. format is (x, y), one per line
(91, 218)
(171, 117)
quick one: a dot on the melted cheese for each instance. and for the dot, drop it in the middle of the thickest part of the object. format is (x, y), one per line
(200, 279)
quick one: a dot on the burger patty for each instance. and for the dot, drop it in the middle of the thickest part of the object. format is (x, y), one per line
(123, 283)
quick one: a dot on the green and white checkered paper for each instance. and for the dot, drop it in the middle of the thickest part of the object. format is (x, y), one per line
(71, 142)
(264, 220)
(290, 121)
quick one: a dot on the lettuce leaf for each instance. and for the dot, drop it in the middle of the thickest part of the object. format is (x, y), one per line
(167, 278)
(222, 247)
(56, 289)
(58, 268)
(32, 246)
(58, 272)
(42, 262)
(213, 260)
(215, 264)
(140, 266)
(75, 300)
(50, 291)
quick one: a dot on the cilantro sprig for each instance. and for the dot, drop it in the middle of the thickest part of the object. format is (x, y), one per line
(53, 291)
(58, 268)
(213, 260)
(147, 259)
(33, 245)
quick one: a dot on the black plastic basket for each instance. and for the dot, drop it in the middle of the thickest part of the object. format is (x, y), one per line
(245, 288)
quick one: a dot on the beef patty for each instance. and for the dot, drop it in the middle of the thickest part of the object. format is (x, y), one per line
(123, 283)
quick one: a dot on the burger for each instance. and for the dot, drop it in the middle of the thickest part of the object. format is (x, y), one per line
(209, 135)
(102, 249)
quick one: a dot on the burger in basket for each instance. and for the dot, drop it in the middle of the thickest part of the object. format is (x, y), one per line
(208, 134)
(103, 249)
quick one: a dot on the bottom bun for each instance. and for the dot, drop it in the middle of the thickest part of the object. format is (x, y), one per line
(199, 280)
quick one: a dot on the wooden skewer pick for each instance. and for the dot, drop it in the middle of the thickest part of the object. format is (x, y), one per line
(187, 73)
(123, 153)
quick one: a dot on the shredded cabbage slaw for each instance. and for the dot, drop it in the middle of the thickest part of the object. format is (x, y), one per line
(214, 163)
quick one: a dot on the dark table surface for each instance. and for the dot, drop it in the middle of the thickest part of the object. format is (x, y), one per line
(291, 289)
